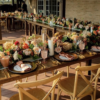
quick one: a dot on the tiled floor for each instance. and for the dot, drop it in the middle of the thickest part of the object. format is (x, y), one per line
(8, 89)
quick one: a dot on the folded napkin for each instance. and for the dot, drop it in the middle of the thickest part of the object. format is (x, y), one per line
(65, 56)
(95, 48)
(23, 67)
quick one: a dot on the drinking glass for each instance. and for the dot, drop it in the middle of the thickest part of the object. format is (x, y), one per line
(81, 46)
(44, 54)
(5, 61)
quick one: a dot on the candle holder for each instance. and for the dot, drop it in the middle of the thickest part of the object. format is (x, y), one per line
(43, 34)
(51, 47)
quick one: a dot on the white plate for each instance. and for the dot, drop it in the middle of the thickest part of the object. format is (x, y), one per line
(64, 58)
(96, 50)
(17, 68)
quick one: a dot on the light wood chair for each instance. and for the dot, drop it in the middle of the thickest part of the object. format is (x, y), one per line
(93, 73)
(77, 86)
(36, 93)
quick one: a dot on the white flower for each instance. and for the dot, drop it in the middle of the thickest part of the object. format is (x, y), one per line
(27, 52)
(36, 50)
(80, 26)
(14, 47)
(39, 40)
(34, 42)
(27, 42)
(86, 33)
(68, 34)
(7, 45)
(15, 55)
(1, 54)
(74, 37)
(86, 27)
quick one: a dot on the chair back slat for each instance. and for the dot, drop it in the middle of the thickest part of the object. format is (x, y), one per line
(75, 84)
(26, 93)
(88, 68)
(39, 82)
(79, 71)
(53, 86)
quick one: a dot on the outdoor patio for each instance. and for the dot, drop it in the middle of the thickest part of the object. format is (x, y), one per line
(8, 89)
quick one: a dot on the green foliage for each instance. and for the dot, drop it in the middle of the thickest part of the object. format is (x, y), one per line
(33, 35)
(19, 57)
(1, 48)
(36, 57)
(86, 47)
(8, 50)
(40, 44)
(31, 46)
(30, 38)
(12, 51)
(64, 39)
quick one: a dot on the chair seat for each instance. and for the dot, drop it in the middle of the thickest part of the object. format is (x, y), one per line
(36, 92)
(67, 85)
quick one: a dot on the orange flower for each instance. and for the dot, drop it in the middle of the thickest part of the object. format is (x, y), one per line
(99, 28)
(94, 32)
(25, 46)
(7, 52)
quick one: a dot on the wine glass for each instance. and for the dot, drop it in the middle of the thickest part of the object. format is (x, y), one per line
(5, 61)
(81, 46)
(44, 54)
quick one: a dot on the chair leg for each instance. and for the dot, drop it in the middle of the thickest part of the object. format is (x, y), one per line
(45, 73)
(59, 93)
(0, 93)
(19, 80)
(92, 97)
(53, 72)
(80, 64)
(75, 99)
(71, 97)
(67, 71)
(26, 79)
(36, 77)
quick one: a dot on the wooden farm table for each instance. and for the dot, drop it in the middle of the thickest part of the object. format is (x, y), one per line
(34, 24)
(29, 24)
(48, 66)
(3, 17)
(25, 24)
(65, 30)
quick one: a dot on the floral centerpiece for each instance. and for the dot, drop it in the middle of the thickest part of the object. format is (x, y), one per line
(21, 50)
